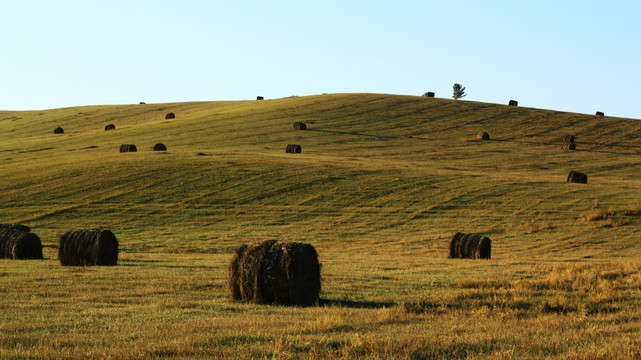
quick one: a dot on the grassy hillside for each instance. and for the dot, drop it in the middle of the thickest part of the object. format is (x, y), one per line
(382, 184)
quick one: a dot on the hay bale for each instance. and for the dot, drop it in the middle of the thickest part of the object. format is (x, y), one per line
(566, 139)
(569, 146)
(577, 177)
(273, 272)
(85, 247)
(58, 130)
(110, 127)
(430, 94)
(18, 244)
(170, 116)
(293, 149)
(142, 103)
(15, 227)
(300, 126)
(513, 103)
(470, 246)
(483, 136)
(128, 148)
(160, 147)
(598, 113)
(260, 98)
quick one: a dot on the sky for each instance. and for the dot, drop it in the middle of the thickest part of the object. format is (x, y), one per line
(578, 56)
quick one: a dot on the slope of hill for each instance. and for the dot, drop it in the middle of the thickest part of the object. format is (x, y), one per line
(381, 185)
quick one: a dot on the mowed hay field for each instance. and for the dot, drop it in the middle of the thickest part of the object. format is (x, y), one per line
(381, 186)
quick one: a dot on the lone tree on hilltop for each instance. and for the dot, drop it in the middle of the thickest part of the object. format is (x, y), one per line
(459, 91)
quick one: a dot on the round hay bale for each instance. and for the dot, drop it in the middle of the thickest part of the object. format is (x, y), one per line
(569, 146)
(577, 177)
(430, 94)
(20, 245)
(513, 103)
(160, 147)
(566, 139)
(142, 103)
(85, 247)
(470, 246)
(599, 113)
(483, 136)
(260, 98)
(300, 126)
(273, 272)
(110, 127)
(128, 148)
(58, 130)
(170, 116)
(15, 227)
(293, 149)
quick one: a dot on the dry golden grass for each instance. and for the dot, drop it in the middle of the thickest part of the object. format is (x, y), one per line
(378, 206)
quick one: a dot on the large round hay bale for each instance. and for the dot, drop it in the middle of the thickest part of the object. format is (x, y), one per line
(577, 177)
(160, 147)
(293, 149)
(260, 98)
(483, 136)
(110, 127)
(569, 146)
(128, 148)
(513, 103)
(300, 126)
(599, 113)
(430, 94)
(58, 130)
(273, 272)
(18, 244)
(84, 247)
(15, 227)
(170, 116)
(470, 246)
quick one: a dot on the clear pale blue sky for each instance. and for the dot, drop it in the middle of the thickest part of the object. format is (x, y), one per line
(579, 56)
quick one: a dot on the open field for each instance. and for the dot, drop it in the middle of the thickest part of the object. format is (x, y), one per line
(381, 185)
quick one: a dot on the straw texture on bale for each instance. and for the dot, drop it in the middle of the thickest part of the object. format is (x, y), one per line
(128, 148)
(273, 272)
(85, 247)
(110, 127)
(430, 94)
(160, 147)
(483, 136)
(58, 130)
(18, 244)
(569, 146)
(15, 227)
(170, 116)
(260, 98)
(470, 246)
(513, 103)
(577, 177)
(293, 149)
(566, 139)
(300, 126)
(599, 113)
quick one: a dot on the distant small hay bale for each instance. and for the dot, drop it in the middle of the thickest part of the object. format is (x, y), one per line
(513, 103)
(470, 246)
(260, 98)
(15, 227)
(86, 247)
(293, 149)
(170, 116)
(58, 130)
(300, 126)
(19, 245)
(599, 113)
(128, 148)
(272, 272)
(566, 139)
(569, 146)
(160, 147)
(577, 177)
(430, 94)
(110, 127)
(142, 103)
(483, 136)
